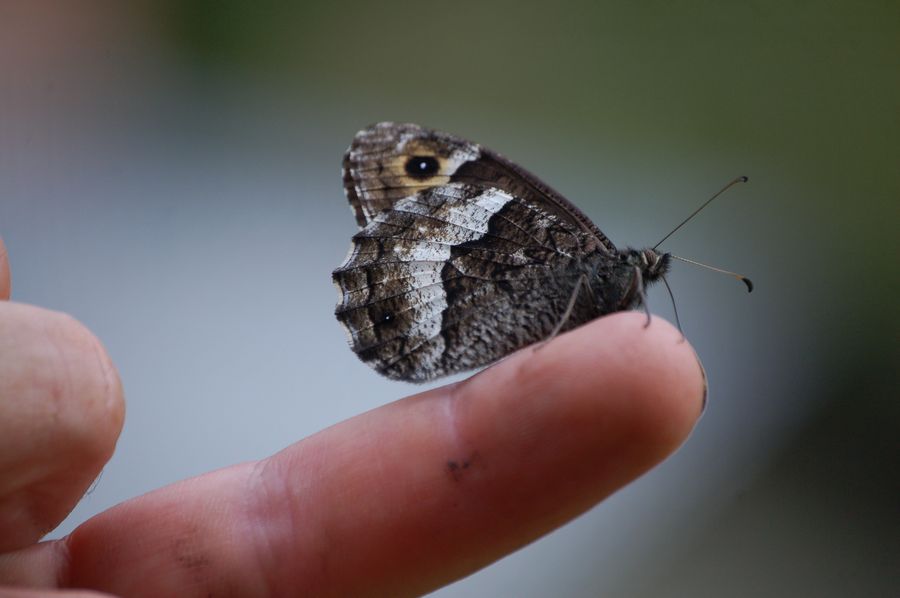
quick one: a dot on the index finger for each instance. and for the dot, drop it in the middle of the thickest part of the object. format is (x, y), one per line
(415, 494)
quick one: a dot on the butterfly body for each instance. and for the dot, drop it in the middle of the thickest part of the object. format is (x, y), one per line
(463, 257)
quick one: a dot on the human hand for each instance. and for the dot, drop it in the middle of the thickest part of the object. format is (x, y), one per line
(397, 501)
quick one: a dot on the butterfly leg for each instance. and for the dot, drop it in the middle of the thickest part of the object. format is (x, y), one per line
(582, 280)
(639, 280)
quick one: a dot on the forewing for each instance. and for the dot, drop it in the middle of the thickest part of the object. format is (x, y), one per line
(376, 173)
(457, 276)
(375, 165)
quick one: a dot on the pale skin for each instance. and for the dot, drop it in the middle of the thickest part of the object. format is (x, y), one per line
(397, 501)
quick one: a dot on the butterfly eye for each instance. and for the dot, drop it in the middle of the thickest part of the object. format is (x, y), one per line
(422, 167)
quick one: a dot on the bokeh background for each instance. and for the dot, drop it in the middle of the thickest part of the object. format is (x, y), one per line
(169, 174)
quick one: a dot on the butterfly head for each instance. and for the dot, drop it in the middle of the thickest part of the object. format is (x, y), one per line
(650, 262)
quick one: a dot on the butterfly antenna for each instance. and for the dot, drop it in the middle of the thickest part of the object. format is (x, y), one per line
(740, 277)
(740, 179)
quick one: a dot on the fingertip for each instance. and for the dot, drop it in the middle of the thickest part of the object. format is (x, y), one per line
(101, 402)
(5, 280)
(615, 388)
(61, 412)
(648, 375)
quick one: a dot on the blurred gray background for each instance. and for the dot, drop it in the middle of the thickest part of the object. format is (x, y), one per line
(170, 175)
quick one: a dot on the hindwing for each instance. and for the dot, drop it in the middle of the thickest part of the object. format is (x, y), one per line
(444, 279)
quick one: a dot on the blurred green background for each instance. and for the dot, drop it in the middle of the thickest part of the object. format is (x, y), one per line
(164, 163)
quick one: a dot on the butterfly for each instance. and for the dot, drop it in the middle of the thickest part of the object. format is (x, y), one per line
(463, 257)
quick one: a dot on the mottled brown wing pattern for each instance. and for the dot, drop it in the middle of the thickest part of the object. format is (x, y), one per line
(443, 280)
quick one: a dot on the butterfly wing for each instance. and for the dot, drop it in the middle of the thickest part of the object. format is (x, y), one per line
(384, 165)
(445, 279)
